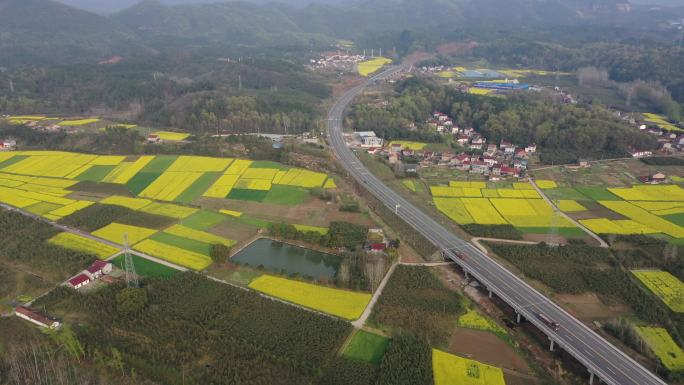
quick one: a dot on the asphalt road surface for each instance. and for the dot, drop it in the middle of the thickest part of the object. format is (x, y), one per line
(598, 355)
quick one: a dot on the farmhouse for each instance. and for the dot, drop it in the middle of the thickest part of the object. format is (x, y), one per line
(8, 145)
(153, 138)
(36, 317)
(98, 269)
(79, 281)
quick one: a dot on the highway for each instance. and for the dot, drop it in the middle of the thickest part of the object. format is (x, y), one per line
(599, 356)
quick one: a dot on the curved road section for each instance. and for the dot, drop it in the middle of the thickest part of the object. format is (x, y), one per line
(600, 357)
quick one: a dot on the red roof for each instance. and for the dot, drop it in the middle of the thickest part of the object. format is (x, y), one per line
(79, 279)
(97, 266)
(34, 315)
(377, 246)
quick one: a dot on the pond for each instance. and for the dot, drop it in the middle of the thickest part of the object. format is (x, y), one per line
(277, 256)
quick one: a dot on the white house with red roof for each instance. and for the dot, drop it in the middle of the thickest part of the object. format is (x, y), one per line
(79, 281)
(98, 269)
(36, 317)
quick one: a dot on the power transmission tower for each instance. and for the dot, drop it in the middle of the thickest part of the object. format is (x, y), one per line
(552, 236)
(129, 267)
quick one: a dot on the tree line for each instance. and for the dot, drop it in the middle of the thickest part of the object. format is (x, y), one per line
(564, 132)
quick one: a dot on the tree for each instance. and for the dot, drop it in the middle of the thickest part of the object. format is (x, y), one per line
(131, 301)
(220, 252)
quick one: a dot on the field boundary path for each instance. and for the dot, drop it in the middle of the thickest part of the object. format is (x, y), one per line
(601, 358)
(600, 240)
(369, 308)
(479, 245)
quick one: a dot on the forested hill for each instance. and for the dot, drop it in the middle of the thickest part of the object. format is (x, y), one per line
(236, 22)
(46, 32)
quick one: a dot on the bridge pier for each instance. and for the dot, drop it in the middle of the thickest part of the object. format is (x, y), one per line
(552, 345)
(517, 317)
(466, 274)
(490, 293)
(591, 378)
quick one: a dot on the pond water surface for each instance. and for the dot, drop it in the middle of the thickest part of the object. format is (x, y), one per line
(276, 256)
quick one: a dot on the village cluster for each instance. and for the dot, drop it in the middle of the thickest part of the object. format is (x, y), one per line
(336, 61)
(479, 157)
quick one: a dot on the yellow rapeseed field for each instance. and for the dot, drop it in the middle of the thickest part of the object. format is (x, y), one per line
(454, 209)
(238, 167)
(645, 218)
(482, 211)
(79, 122)
(125, 171)
(449, 369)
(82, 244)
(329, 184)
(169, 210)
(174, 254)
(517, 193)
(221, 188)
(458, 192)
(665, 286)
(108, 160)
(528, 212)
(663, 346)
(371, 66)
(199, 164)
(202, 236)
(71, 208)
(621, 227)
(569, 206)
(170, 185)
(342, 303)
(171, 136)
(232, 213)
(52, 165)
(308, 179)
(416, 146)
(307, 228)
(650, 193)
(260, 173)
(114, 232)
(253, 184)
(469, 184)
(546, 184)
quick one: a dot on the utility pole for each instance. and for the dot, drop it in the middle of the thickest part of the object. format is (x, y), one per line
(11, 84)
(240, 82)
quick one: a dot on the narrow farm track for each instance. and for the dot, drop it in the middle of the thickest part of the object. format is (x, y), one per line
(600, 357)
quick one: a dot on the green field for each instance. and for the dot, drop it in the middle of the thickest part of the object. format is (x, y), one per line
(183, 243)
(203, 220)
(266, 164)
(41, 208)
(95, 173)
(146, 268)
(366, 347)
(565, 193)
(12, 160)
(286, 195)
(248, 195)
(596, 193)
(149, 173)
(198, 187)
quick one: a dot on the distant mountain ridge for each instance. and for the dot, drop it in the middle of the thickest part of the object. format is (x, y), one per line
(47, 32)
(51, 32)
